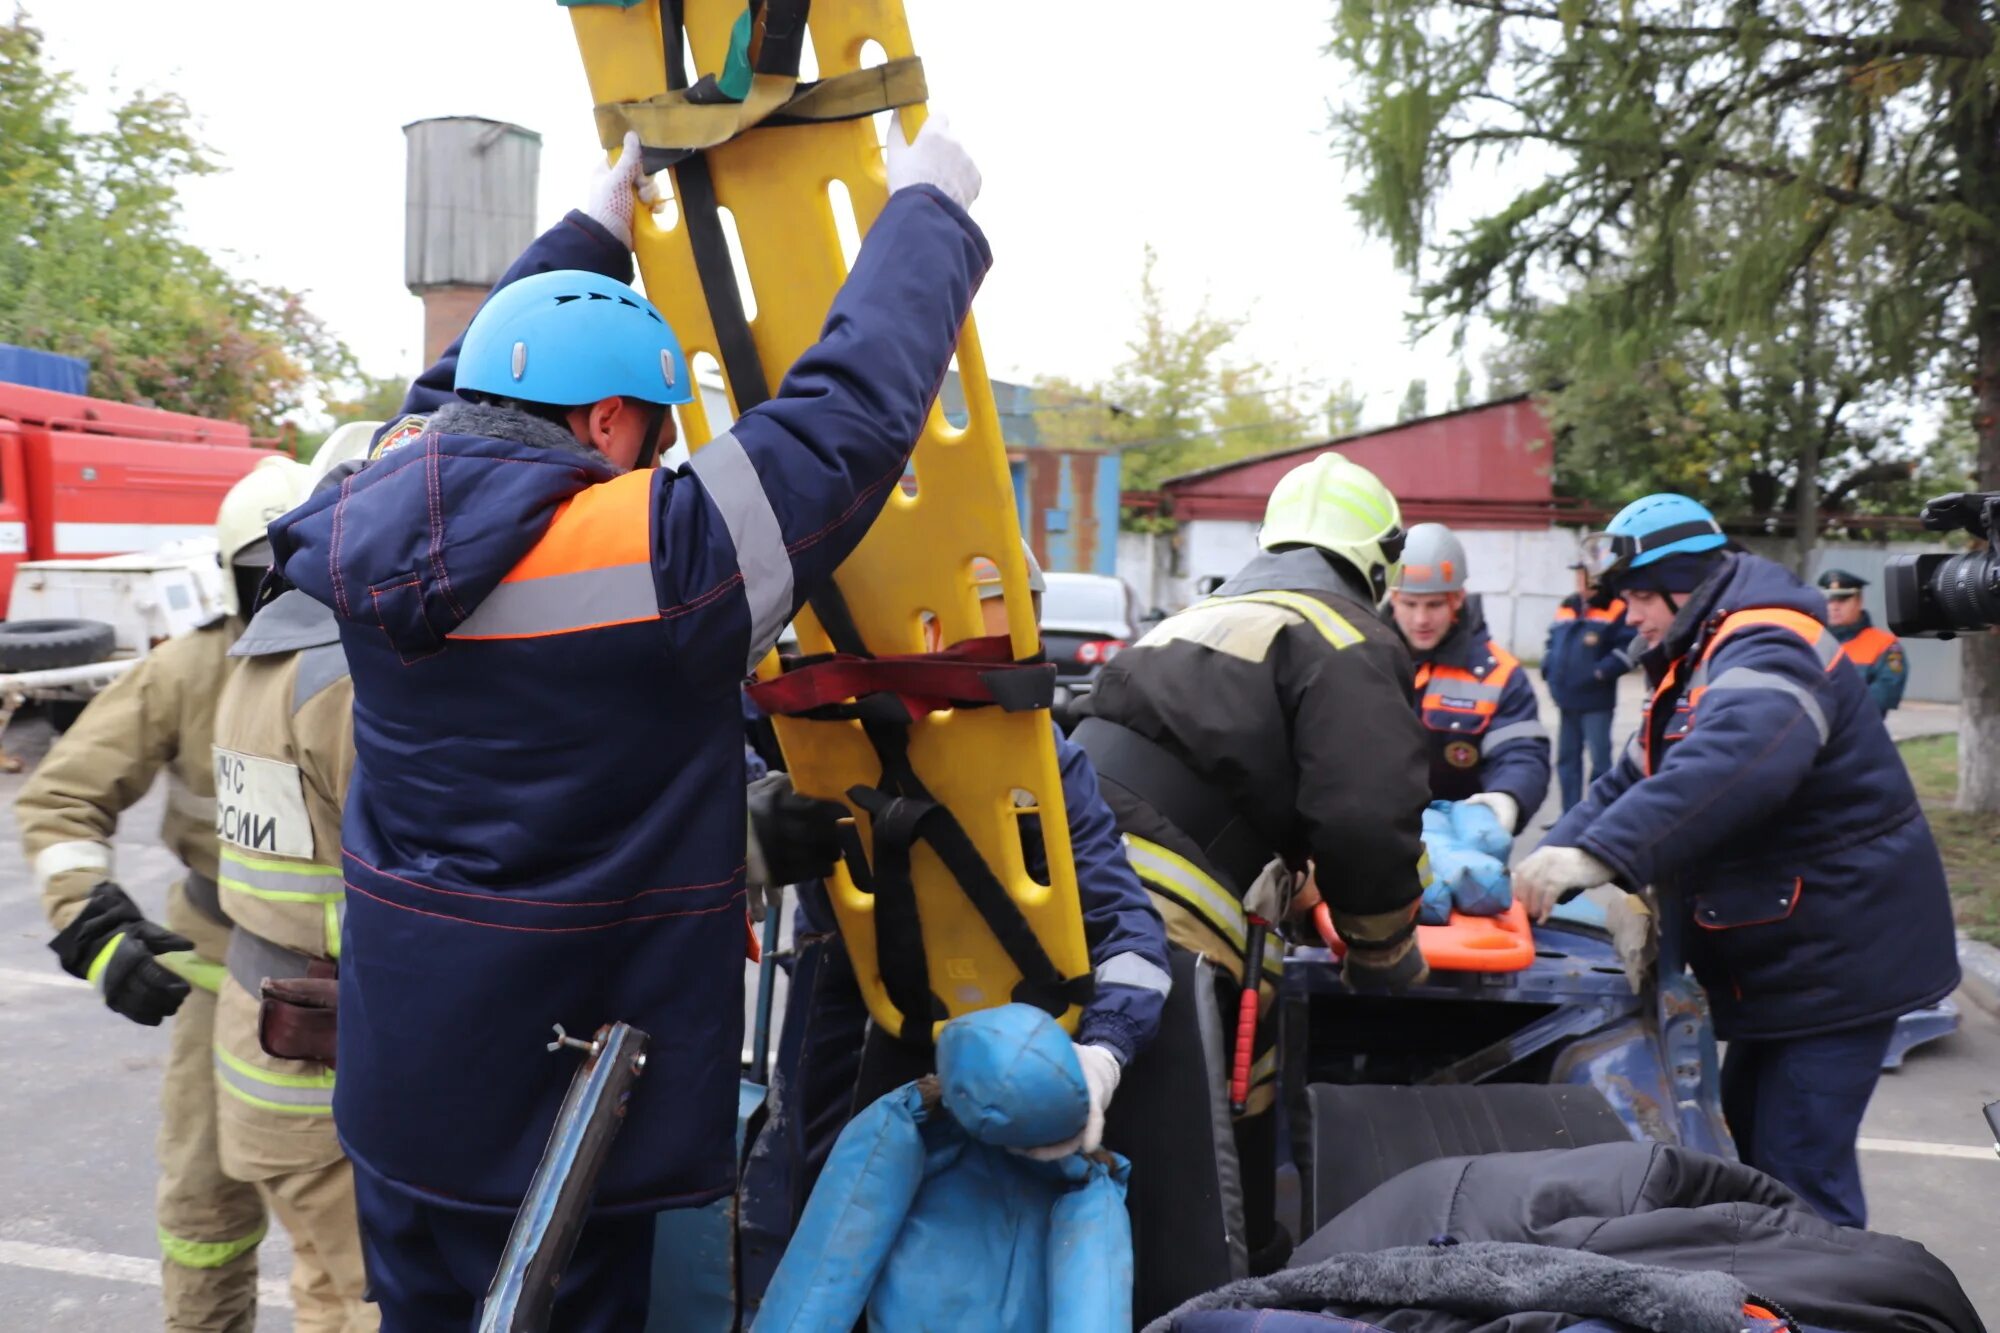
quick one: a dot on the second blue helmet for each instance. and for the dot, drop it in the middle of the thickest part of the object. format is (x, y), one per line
(570, 337)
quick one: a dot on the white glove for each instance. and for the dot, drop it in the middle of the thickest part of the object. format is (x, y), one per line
(1549, 873)
(1271, 895)
(1629, 919)
(1504, 807)
(613, 188)
(934, 158)
(1101, 1072)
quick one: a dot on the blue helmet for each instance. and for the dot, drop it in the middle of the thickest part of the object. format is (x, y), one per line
(1650, 530)
(567, 338)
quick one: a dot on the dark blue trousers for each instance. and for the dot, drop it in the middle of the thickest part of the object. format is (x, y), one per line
(429, 1265)
(1575, 731)
(1795, 1109)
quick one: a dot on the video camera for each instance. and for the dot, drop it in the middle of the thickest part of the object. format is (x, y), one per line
(1940, 596)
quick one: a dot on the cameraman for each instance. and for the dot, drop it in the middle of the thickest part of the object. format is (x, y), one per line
(1765, 803)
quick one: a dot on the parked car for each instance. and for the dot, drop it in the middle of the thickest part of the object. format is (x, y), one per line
(1087, 619)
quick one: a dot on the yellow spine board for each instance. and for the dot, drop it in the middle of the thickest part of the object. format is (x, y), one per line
(917, 560)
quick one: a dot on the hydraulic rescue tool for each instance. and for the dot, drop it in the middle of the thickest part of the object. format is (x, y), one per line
(523, 1292)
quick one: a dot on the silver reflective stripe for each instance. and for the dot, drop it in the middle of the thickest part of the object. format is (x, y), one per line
(1129, 969)
(1745, 678)
(1201, 895)
(1513, 731)
(615, 595)
(1451, 687)
(280, 881)
(60, 857)
(731, 480)
(182, 801)
(288, 1096)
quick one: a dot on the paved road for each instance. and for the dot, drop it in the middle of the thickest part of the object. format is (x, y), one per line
(78, 1254)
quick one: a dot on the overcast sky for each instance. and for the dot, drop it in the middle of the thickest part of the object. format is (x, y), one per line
(1099, 126)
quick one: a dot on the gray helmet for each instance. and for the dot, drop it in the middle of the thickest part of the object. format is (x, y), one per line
(986, 574)
(1433, 561)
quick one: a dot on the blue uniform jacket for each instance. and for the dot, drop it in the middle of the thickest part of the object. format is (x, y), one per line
(547, 818)
(1128, 941)
(1481, 719)
(1777, 818)
(1589, 648)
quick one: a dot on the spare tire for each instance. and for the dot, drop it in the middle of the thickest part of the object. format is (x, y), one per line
(38, 645)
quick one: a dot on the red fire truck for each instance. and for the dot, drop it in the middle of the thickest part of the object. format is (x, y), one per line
(83, 477)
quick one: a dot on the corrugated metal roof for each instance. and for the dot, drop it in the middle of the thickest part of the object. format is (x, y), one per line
(469, 199)
(1321, 446)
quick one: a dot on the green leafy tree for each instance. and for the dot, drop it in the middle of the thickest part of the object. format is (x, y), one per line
(1416, 401)
(1765, 180)
(1342, 410)
(93, 262)
(1179, 401)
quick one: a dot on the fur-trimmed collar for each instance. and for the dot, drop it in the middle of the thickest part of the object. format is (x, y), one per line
(498, 421)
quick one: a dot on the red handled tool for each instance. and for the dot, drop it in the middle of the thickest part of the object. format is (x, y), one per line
(1323, 923)
(1246, 1016)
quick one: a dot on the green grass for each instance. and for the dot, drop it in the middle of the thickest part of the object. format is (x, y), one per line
(1970, 842)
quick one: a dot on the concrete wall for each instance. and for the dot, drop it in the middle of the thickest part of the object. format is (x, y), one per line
(1522, 576)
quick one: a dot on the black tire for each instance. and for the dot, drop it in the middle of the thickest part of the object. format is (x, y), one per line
(38, 645)
(1364, 1135)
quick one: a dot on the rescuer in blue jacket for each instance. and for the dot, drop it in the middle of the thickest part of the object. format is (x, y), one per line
(1766, 805)
(1875, 650)
(547, 637)
(1590, 646)
(1479, 711)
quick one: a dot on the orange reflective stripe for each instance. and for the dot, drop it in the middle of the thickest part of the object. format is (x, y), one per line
(1870, 644)
(1798, 622)
(604, 525)
(592, 569)
(1566, 612)
(1613, 612)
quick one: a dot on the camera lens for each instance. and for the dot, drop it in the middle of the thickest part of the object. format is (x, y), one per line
(1966, 590)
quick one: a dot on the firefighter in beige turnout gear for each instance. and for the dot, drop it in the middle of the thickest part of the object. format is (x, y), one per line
(161, 715)
(283, 750)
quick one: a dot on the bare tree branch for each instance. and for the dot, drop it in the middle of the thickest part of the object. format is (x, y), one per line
(1839, 194)
(1867, 47)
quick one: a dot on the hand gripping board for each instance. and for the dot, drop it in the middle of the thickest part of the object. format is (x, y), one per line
(775, 183)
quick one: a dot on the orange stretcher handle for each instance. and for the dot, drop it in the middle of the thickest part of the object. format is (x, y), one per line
(1504, 943)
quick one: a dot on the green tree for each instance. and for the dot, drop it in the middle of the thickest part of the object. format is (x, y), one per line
(93, 262)
(1179, 401)
(1416, 401)
(1767, 180)
(1342, 410)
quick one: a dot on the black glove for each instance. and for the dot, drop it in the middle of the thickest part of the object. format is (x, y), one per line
(1396, 968)
(793, 838)
(112, 946)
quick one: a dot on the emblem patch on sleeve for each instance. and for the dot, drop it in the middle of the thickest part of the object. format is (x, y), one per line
(400, 434)
(1462, 754)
